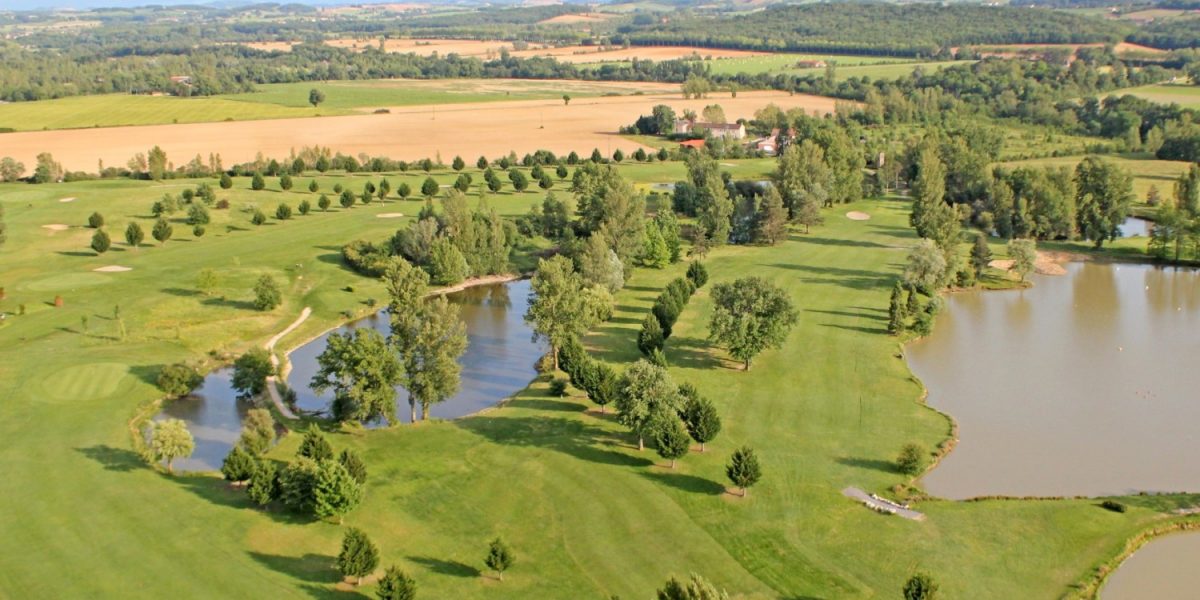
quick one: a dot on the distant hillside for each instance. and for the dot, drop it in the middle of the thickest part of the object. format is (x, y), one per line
(877, 28)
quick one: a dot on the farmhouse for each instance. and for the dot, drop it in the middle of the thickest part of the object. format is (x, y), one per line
(728, 131)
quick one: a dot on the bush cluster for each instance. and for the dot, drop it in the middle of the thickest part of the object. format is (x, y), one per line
(657, 326)
(598, 380)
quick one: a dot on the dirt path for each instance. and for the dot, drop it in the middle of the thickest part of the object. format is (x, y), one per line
(272, 389)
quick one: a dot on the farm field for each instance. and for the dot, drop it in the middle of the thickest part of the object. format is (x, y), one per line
(406, 133)
(1187, 96)
(570, 54)
(784, 62)
(290, 100)
(1146, 170)
(585, 511)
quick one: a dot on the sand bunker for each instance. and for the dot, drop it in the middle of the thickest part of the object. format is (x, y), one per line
(855, 215)
(389, 215)
(66, 199)
(112, 269)
(56, 227)
(1046, 264)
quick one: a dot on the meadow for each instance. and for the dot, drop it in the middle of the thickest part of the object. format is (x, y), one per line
(786, 62)
(587, 513)
(1187, 96)
(1147, 171)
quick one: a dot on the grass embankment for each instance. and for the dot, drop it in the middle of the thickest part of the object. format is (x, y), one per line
(588, 515)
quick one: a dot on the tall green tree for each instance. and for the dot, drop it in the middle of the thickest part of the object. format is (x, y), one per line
(925, 269)
(335, 491)
(238, 465)
(803, 178)
(749, 316)
(266, 293)
(134, 234)
(1103, 195)
(396, 585)
(700, 416)
(315, 445)
(770, 224)
(100, 239)
(258, 432)
(647, 394)
(359, 557)
(429, 345)
(264, 486)
(557, 307)
(500, 557)
(896, 312)
(169, 440)
(315, 97)
(1024, 255)
(162, 230)
(354, 465)
(981, 254)
(250, 372)
(932, 217)
(743, 469)
(362, 370)
(671, 438)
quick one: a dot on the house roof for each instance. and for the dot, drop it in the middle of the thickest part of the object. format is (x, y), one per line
(692, 144)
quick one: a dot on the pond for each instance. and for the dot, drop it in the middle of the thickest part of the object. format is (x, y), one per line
(1084, 384)
(1135, 227)
(1163, 570)
(499, 362)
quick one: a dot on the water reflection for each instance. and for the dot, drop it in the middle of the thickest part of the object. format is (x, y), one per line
(499, 361)
(1083, 384)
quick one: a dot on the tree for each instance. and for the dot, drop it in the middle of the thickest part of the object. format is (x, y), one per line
(304, 207)
(396, 585)
(335, 491)
(285, 182)
(925, 269)
(258, 218)
(238, 465)
(770, 224)
(650, 338)
(1024, 256)
(804, 180)
(600, 265)
(911, 459)
(359, 556)
(447, 265)
(432, 370)
(556, 305)
(266, 293)
(671, 438)
(566, 99)
(981, 254)
(458, 163)
(11, 170)
(749, 316)
(920, 587)
(323, 203)
(264, 486)
(429, 188)
(655, 253)
(697, 588)
(385, 188)
(714, 208)
(346, 199)
(697, 273)
(315, 446)
(743, 469)
(162, 230)
(169, 440)
(296, 483)
(500, 558)
(519, 181)
(315, 97)
(896, 312)
(47, 170)
(101, 241)
(226, 181)
(406, 289)
(354, 465)
(700, 416)
(178, 380)
(250, 372)
(1103, 195)
(647, 393)
(313, 186)
(258, 432)
(257, 183)
(134, 234)
(198, 215)
(362, 370)
(96, 220)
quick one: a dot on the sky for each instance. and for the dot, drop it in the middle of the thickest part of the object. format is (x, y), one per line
(85, 4)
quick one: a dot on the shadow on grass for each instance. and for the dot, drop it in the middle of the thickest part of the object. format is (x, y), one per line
(858, 279)
(113, 459)
(868, 330)
(76, 253)
(846, 313)
(872, 464)
(181, 292)
(570, 436)
(691, 353)
(312, 568)
(225, 302)
(452, 568)
(895, 231)
(546, 404)
(685, 483)
(146, 373)
(820, 241)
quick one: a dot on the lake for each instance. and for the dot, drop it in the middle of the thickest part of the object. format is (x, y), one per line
(499, 362)
(1084, 384)
(1163, 569)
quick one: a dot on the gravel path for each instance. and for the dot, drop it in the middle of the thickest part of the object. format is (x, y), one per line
(882, 504)
(272, 389)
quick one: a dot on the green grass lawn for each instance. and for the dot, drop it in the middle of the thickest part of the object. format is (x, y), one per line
(112, 110)
(784, 62)
(587, 514)
(1187, 96)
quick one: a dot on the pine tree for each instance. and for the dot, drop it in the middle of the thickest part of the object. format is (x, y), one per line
(396, 585)
(354, 465)
(671, 438)
(134, 234)
(770, 224)
(263, 487)
(499, 558)
(315, 446)
(981, 255)
(257, 183)
(335, 491)
(226, 181)
(743, 468)
(896, 311)
(238, 465)
(359, 556)
(700, 416)
(650, 338)
(101, 241)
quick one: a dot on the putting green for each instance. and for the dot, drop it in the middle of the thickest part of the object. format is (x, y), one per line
(85, 382)
(67, 281)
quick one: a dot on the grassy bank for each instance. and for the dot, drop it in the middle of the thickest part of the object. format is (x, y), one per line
(588, 515)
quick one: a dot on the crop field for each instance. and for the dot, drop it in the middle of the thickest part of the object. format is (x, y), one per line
(786, 62)
(1187, 96)
(406, 133)
(489, 49)
(587, 513)
(114, 110)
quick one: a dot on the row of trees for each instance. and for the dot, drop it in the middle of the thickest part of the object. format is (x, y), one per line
(1176, 232)
(658, 325)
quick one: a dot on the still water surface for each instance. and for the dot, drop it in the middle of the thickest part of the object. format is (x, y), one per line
(499, 361)
(1085, 384)
(1164, 569)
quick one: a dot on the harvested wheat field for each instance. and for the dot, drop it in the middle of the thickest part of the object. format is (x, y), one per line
(568, 54)
(407, 133)
(576, 18)
(270, 46)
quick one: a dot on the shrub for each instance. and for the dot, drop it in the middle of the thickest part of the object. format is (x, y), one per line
(558, 387)
(178, 380)
(96, 220)
(1113, 505)
(697, 274)
(911, 459)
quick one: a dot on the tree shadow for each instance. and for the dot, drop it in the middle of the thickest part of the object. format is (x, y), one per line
(836, 242)
(313, 568)
(113, 459)
(452, 568)
(691, 353)
(227, 303)
(546, 404)
(858, 279)
(570, 436)
(873, 464)
(685, 482)
(895, 231)
(846, 313)
(146, 373)
(180, 292)
(870, 330)
(76, 253)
